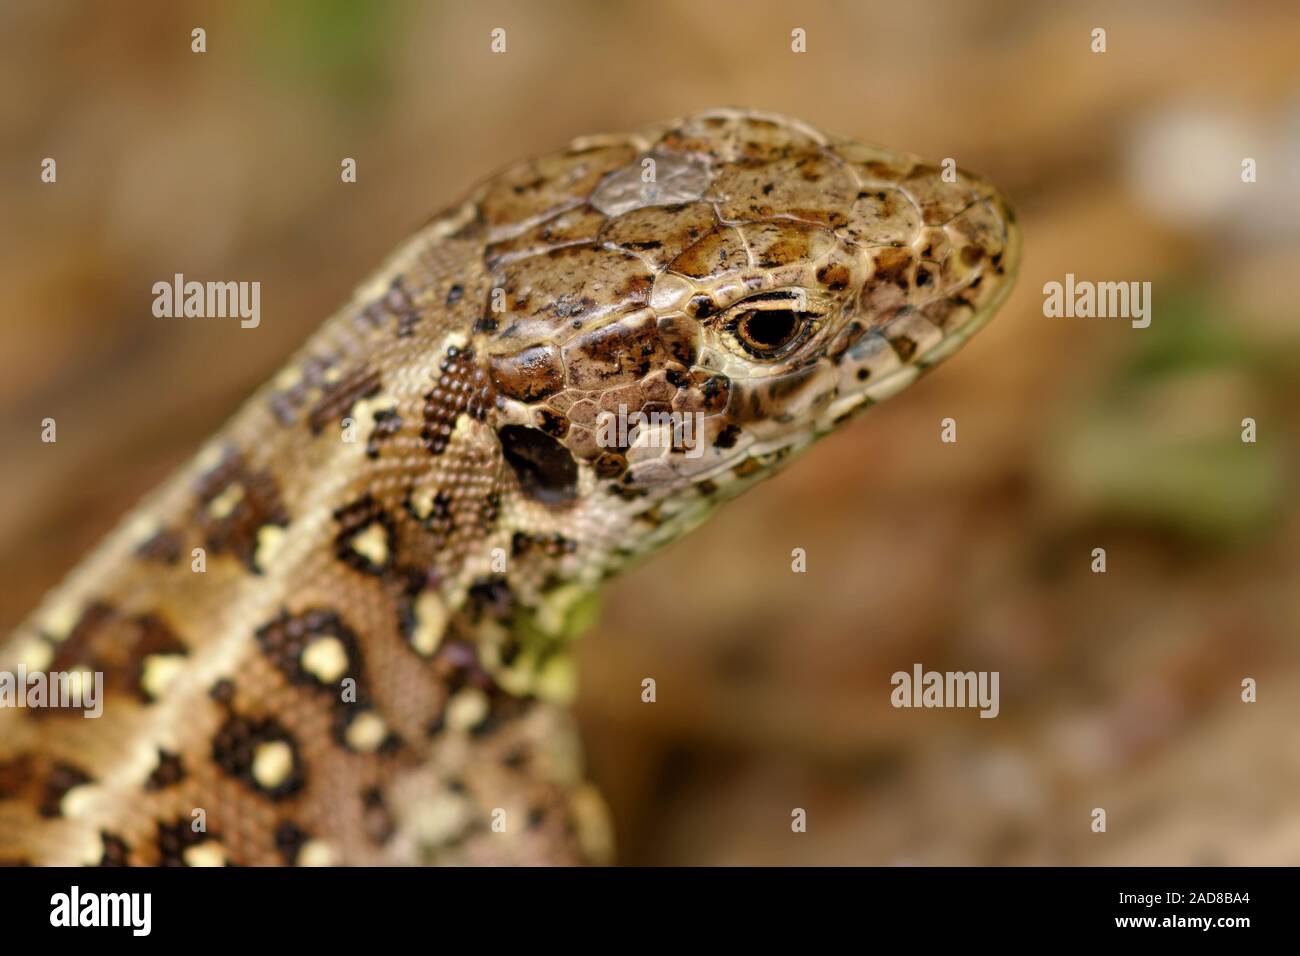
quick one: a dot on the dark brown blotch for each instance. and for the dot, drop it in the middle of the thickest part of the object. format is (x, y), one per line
(338, 397)
(152, 636)
(552, 545)
(62, 778)
(892, 267)
(387, 424)
(169, 771)
(234, 529)
(610, 464)
(396, 303)
(284, 639)
(289, 840)
(463, 387)
(491, 597)
(904, 346)
(103, 640)
(81, 647)
(835, 276)
(357, 519)
(234, 748)
(433, 512)
(116, 852)
(176, 837)
(546, 469)
(163, 546)
(728, 436)
(701, 306)
(551, 422)
(286, 403)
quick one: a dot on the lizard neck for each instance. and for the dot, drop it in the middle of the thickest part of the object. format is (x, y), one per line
(343, 581)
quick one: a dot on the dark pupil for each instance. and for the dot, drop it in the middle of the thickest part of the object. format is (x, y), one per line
(770, 328)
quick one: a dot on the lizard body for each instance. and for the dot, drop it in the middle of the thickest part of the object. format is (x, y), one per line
(339, 634)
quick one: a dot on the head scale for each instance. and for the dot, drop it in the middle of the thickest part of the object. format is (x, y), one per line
(678, 311)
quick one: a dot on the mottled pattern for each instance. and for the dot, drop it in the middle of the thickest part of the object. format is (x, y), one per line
(340, 635)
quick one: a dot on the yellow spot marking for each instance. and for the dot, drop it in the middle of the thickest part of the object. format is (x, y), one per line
(316, 853)
(205, 854)
(91, 848)
(226, 502)
(462, 430)
(364, 409)
(210, 457)
(366, 732)
(158, 671)
(58, 624)
(142, 528)
(325, 659)
(467, 709)
(77, 801)
(35, 654)
(422, 502)
(288, 377)
(372, 544)
(592, 820)
(270, 539)
(272, 762)
(455, 339)
(439, 819)
(430, 623)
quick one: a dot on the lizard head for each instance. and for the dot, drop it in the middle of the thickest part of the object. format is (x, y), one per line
(680, 311)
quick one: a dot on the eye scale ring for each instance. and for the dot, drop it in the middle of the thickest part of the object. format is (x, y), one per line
(771, 325)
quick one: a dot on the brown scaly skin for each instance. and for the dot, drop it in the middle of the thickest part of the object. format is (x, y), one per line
(403, 529)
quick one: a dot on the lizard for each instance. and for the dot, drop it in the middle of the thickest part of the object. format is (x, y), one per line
(341, 634)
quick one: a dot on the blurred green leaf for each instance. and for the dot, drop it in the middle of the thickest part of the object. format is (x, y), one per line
(1191, 332)
(1211, 486)
(1161, 445)
(342, 48)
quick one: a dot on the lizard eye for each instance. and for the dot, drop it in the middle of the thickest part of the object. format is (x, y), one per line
(768, 331)
(769, 328)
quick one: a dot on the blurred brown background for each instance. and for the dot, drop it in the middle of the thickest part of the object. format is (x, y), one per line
(1119, 690)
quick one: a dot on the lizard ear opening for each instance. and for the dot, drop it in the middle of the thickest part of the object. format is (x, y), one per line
(545, 468)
